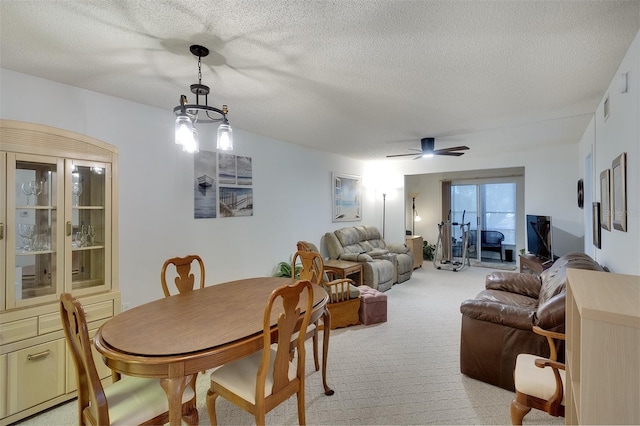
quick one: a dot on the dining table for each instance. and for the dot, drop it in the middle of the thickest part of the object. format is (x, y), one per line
(178, 336)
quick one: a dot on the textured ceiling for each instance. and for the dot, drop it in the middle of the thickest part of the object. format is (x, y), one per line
(363, 78)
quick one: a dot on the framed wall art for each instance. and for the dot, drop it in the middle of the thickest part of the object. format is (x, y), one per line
(347, 197)
(605, 211)
(619, 192)
(595, 213)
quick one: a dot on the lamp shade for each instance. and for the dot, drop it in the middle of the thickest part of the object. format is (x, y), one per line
(225, 137)
(190, 145)
(184, 130)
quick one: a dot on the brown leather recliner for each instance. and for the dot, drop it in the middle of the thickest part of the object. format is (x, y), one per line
(497, 324)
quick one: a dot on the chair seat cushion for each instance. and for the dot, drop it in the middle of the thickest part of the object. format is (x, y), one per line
(134, 400)
(536, 381)
(240, 376)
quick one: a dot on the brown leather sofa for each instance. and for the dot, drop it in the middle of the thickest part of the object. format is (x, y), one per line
(497, 324)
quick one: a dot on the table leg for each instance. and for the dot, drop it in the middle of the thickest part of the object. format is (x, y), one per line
(174, 387)
(326, 320)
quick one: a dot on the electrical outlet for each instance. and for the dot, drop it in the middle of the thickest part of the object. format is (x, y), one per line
(125, 306)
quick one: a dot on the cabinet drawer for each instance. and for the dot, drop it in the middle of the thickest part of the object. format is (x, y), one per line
(96, 311)
(36, 375)
(18, 330)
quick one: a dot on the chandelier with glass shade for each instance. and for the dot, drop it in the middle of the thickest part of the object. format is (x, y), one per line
(188, 114)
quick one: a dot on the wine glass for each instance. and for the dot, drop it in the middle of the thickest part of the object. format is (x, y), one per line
(76, 190)
(37, 187)
(27, 231)
(91, 235)
(27, 189)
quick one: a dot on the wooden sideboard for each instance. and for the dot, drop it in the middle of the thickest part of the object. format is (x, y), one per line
(603, 348)
(414, 242)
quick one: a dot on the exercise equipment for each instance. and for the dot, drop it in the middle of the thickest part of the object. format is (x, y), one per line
(446, 242)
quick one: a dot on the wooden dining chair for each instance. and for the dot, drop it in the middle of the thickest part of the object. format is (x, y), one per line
(128, 401)
(539, 382)
(260, 382)
(184, 280)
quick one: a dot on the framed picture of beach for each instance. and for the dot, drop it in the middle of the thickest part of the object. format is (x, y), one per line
(347, 197)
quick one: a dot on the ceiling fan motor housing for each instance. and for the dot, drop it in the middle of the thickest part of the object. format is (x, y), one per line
(427, 144)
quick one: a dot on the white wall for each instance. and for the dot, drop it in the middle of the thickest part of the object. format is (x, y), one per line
(620, 251)
(292, 187)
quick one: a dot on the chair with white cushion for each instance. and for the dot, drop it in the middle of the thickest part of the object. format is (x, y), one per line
(260, 382)
(540, 382)
(129, 401)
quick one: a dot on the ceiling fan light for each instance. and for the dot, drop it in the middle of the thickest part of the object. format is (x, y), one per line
(225, 137)
(427, 155)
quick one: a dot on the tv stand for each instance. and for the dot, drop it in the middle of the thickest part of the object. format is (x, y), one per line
(532, 264)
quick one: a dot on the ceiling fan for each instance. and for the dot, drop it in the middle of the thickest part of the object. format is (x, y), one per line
(428, 151)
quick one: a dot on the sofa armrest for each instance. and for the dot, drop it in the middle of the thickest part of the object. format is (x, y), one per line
(356, 257)
(514, 282)
(398, 248)
(498, 313)
(551, 314)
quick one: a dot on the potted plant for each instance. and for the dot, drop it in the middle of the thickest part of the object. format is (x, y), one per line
(283, 269)
(428, 250)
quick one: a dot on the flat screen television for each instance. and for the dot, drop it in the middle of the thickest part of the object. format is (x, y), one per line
(539, 240)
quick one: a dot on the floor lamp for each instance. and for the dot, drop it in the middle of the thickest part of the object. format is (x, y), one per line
(414, 214)
(384, 204)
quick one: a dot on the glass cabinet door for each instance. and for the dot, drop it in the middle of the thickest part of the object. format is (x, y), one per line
(88, 199)
(33, 229)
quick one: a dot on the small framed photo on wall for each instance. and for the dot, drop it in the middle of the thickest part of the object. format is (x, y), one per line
(619, 192)
(605, 211)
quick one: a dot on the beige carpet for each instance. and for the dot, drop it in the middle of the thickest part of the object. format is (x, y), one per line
(402, 372)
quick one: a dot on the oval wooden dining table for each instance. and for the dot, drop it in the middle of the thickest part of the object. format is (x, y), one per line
(178, 336)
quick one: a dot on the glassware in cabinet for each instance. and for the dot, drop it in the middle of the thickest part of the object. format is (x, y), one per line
(89, 203)
(33, 263)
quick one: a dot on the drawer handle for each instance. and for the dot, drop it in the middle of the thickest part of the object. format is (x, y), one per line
(33, 357)
(1, 231)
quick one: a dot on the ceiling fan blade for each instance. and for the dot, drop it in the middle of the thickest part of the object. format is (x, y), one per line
(418, 157)
(400, 155)
(452, 154)
(455, 148)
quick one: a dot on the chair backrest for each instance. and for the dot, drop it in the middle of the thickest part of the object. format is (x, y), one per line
(185, 279)
(305, 246)
(91, 399)
(287, 324)
(312, 267)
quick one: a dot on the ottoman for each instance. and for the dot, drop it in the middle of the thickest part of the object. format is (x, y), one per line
(373, 306)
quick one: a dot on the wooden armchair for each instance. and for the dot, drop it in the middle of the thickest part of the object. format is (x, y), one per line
(540, 382)
(344, 296)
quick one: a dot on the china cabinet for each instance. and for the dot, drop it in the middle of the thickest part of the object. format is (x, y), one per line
(58, 233)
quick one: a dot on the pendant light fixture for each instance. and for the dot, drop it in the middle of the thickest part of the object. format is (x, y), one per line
(188, 114)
